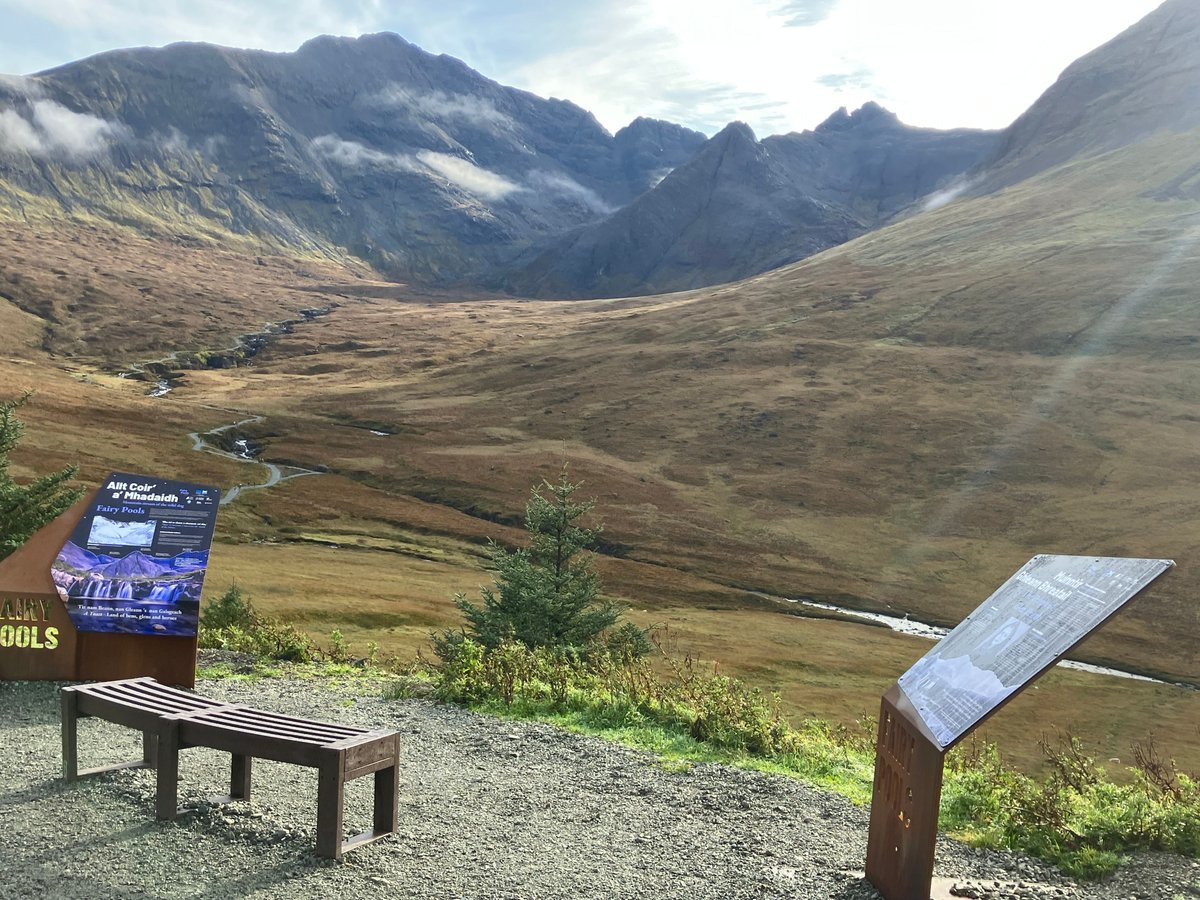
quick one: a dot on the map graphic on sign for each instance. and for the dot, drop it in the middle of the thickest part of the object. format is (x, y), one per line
(1040, 613)
(136, 561)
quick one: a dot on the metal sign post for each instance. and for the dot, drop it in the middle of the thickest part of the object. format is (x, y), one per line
(1030, 623)
(904, 801)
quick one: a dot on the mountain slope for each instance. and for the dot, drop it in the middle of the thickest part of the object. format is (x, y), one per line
(372, 148)
(742, 207)
(1145, 80)
(899, 421)
(413, 162)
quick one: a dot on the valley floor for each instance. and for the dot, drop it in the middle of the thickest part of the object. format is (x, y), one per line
(488, 808)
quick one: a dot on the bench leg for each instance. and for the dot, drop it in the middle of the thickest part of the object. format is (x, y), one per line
(167, 795)
(239, 778)
(70, 734)
(330, 793)
(387, 789)
(149, 749)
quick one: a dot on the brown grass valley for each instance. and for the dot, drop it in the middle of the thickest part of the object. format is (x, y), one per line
(811, 433)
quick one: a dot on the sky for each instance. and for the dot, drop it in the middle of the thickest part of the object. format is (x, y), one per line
(778, 65)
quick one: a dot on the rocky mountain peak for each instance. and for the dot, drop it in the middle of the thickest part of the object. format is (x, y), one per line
(743, 206)
(869, 115)
(736, 132)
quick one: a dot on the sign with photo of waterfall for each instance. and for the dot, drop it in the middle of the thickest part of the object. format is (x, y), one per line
(1033, 619)
(136, 561)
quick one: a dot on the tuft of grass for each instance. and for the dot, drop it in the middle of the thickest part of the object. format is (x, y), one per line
(231, 623)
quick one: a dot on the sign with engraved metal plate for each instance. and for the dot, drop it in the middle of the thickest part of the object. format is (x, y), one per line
(1050, 605)
(1034, 619)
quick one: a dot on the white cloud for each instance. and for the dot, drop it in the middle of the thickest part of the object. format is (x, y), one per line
(90, 26)
(56, 132)
(174, 141)
(442, 106)
(16, 133)
(460, 173)
(352, 154)
(779, 65)
(468, 176)
(948, 194)
(25, 87)
(940, 63)
(564, 185)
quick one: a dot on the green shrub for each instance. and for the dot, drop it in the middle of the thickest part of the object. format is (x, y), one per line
(231, 609)
(26, 508)
(713, 709)
(231, 623)
(1075, 816)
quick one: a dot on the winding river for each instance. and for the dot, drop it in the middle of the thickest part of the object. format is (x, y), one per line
(277, 474)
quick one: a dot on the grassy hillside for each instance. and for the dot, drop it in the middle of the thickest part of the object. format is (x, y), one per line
(900, 422)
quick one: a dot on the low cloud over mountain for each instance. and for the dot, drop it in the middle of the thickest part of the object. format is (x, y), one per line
(45, 129)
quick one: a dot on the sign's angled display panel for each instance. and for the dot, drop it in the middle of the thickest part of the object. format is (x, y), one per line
(136, 561)
(1040, 613)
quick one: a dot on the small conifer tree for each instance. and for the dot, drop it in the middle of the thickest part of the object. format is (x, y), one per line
(26, 508)
(546, 595)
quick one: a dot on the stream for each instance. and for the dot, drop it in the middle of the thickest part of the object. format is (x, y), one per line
(248, 344)
(245, 453)
(277, 474)
(905, 625)
(899, 624)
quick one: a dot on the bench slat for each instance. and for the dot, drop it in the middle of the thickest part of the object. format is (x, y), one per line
(153, 701)
(324, 731)
(155, 692)
(200, 733)
(255, 722)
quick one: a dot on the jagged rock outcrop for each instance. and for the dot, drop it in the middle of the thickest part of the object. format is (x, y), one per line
(1145, 80)
(743, 206)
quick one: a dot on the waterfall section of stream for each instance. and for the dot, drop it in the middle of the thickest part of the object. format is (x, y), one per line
(245, 453)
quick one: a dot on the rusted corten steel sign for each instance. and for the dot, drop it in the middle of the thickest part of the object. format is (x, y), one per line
(111, 588)
(1027, 626)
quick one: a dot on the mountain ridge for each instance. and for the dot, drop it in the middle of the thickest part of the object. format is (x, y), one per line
(371, 148)
(742, 206)
(1142, 81)
(367, 147)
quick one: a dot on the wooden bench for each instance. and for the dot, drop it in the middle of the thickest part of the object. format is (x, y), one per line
(172, 720)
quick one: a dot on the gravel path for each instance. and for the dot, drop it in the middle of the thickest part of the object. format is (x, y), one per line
(488, 808)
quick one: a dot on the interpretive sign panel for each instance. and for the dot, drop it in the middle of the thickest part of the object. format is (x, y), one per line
(1044, 610)
(1031, 622)
(135, 562)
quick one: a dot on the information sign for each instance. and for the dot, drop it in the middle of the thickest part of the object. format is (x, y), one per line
(1034, 619)
(1040, 613)
(135, 562)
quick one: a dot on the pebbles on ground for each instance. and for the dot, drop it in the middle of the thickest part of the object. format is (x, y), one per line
(488, 809)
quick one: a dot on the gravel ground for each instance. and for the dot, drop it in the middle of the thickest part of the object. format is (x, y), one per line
(488, 808)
